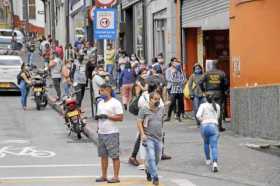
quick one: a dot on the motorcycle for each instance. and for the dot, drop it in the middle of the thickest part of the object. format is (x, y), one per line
(39, 89)
(73, 116)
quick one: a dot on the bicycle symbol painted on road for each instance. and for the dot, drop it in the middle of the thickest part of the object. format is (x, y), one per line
(25, 151)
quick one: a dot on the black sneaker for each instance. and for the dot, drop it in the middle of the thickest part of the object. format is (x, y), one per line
(148, 176)
(222, 129)
(167, 119)
(156, 181)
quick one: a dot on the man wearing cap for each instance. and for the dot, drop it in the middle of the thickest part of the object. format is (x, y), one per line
(109, 113)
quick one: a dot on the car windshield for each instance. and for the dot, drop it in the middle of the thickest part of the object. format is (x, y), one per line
(7, 33)
(10, 62)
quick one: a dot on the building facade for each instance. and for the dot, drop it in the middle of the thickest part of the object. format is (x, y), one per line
(204, 35)
(29, 16)
(148, 28)
(254, 44)
(5, 14)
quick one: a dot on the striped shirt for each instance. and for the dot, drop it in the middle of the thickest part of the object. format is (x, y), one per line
(177, 82)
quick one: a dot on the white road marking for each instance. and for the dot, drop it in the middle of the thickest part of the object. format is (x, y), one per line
(25, 151)
(183, 182)
(62, 177)
(19, 141)
(48, 166)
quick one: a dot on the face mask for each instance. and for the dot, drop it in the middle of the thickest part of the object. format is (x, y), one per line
(104, 97)
(160, 60)
(178, 67)
(156, 104)
(198, 71)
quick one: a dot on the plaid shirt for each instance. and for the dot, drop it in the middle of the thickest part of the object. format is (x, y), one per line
(177, 82)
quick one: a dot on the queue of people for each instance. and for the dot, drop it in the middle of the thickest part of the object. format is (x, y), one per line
(156, 91)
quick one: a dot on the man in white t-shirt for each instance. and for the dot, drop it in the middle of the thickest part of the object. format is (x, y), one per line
(109, 112)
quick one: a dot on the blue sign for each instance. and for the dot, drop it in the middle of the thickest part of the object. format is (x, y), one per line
(105, 23)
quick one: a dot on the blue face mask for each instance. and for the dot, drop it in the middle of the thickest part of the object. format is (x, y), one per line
(198, 71)
(104, 97)
(178, 67)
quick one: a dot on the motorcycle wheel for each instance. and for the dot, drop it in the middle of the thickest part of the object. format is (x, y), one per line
(79, 136)
(45, 101)
(37, 101)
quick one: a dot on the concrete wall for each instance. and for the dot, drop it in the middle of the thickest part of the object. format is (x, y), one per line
(256, 111)
(254, 45)
(153, 7)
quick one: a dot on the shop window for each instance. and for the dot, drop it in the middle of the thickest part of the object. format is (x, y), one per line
(32, 9)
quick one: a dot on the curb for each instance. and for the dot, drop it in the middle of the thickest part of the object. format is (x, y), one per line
(88, 130)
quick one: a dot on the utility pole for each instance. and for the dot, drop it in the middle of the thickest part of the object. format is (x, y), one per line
(12, 14)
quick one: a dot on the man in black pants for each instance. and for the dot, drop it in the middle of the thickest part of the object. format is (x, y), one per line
(176, 80)
(215, 82)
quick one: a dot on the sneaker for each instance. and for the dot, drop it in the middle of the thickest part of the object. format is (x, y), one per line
(156, 181)
(148, 176)
(166, 157)
(133, 161)
(167, 119)
(208, 162)
(215, 167)
(141, 167)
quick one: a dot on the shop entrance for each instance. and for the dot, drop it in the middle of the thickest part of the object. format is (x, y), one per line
(216, 46)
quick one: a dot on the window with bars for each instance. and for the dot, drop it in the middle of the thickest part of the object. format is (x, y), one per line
(32, 9)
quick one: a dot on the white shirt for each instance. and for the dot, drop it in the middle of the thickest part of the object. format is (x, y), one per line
(207, 114)
(144, 100)
(111, 107)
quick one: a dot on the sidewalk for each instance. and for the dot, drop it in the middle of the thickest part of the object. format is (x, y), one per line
(237, 163)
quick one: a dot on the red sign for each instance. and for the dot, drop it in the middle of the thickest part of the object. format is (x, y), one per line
(105, 3)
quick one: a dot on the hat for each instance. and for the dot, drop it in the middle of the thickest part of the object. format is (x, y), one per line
(106, 85)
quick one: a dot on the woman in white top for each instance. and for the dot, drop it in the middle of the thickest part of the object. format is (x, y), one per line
(208, 114)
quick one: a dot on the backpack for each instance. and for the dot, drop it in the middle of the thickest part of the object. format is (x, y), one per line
(133, 105)
(19, 78)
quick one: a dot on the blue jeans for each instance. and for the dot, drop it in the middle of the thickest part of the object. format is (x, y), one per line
(196, 102)
(210, 135)
(24, 90)
(109, 69)
(153, 151)
(66, 87)
(30, 58)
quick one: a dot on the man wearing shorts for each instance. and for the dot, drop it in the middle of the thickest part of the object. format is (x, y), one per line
(109, 112)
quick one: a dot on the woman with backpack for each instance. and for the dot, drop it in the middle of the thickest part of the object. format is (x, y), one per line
(208, 114)
(24, 81)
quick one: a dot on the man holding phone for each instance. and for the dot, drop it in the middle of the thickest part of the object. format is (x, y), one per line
(109, 112)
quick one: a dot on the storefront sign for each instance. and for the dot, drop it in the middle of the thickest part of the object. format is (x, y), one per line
(105, 3)
(105, 26)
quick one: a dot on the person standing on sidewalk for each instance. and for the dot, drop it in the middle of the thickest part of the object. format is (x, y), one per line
(150, 123)
(24, 84)
(66, 69)
(109, 112)
(208, 114)
(215, 82)
(196, 93)
(127, 78)
(80, 79)
(110, 59)
(177, 81)
(55, 66)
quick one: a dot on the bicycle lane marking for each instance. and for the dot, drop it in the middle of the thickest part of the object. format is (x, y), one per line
(25, 151)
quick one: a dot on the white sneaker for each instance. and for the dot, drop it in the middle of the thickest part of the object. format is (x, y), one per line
(141, 167)
(208, 162)
(215, 167)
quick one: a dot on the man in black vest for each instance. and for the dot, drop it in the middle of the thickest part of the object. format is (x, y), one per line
(215, 82)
